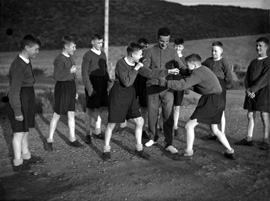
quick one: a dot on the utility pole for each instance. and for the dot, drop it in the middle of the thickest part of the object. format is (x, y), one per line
(106, 30)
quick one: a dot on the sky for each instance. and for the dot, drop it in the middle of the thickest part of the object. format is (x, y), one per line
(262, 4)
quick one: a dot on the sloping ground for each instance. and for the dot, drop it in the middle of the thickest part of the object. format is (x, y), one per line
(80, 174)
(129, 20)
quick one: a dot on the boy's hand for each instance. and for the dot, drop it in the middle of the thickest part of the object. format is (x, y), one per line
(138, 66)
(77, 96)
(251, 95)
(174, 71)
(19, 118)
(73, 69)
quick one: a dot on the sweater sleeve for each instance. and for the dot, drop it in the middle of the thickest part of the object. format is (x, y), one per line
(85, 74)
(186, 83)
(126, 76)
(264, 80)
(227, 72)
(16, 79)
(152, 73)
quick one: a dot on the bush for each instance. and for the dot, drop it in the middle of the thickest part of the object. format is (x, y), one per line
(38, 72)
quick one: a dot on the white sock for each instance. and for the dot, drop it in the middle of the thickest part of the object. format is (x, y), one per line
(107, 148)
(17, 162)
(26, 156)
(50, 140)
(72, 139)
(188, 152)
(139, 147)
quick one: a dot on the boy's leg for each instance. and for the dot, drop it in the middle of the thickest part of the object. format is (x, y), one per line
(138, 135)
(160, 119)
(107, 148)
(71, 125)
(190, 129)
(176, 112)
(88, 121)
(229, 153)
(53, 125)
(251, 115)
(17, 148)
(265, 121)
(98, 122)
(223, 123)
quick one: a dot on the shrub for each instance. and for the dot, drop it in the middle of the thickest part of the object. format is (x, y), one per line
(38, 72)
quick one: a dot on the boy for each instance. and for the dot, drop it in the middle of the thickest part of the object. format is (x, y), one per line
(257, 93)
(65, 92)
(122, 99)
(21, 110)
(95, 79)
(210, 106)
(178, 95)
(221, 68)
(161, 56)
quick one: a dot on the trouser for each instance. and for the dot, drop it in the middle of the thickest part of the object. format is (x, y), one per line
(160, 96)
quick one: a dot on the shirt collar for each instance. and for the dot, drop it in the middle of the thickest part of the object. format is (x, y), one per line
(98, 52)
(128, 62)
(24, 59)
(261, 58)
(65, 54)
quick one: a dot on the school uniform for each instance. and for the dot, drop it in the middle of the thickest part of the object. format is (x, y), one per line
(21, 95)
(210, 106)
(66, 85)
(122, 97)
(257, 80)
(222, 70)
(95, 78)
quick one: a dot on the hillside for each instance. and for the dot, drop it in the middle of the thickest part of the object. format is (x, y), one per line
(129, 20)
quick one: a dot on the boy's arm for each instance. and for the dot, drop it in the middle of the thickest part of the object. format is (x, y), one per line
(179, 64)
(264, 80)
(153, 73)
(179, 85)
(126, 76)
(85, 75)
(227, 72)
(15, 89)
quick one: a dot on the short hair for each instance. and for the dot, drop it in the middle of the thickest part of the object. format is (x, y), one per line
(193, 58)
(96, 37)
(164, 31)
(264, 40)
(67, 40)
(143, 40)
(217, 43)
(29, 40)
(133, 47)
(179, 41)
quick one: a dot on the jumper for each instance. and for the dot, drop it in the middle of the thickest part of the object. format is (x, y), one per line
(20, 75)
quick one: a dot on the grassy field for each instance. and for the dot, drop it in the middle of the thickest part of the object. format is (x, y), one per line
(238, 50)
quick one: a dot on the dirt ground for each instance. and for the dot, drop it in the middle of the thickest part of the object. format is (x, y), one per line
(80, 174)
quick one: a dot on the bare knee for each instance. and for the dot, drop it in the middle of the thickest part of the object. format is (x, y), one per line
(139, 122)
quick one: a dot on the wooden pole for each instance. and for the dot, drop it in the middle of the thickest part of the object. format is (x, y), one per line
(106, 30)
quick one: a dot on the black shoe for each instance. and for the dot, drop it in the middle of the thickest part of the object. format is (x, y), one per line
(100, 136)
(244, 142)
(176, 133)
(145, 135)
(229, 155)
(142, 154)
(32, 160)
(22, 168)
(182, 157)
(88, 139)
(106, 156)
(264, 146)
(209, 137)
(49, 146)
(76, 143)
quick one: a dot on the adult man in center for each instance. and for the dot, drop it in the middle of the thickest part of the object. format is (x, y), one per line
(161, 56)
